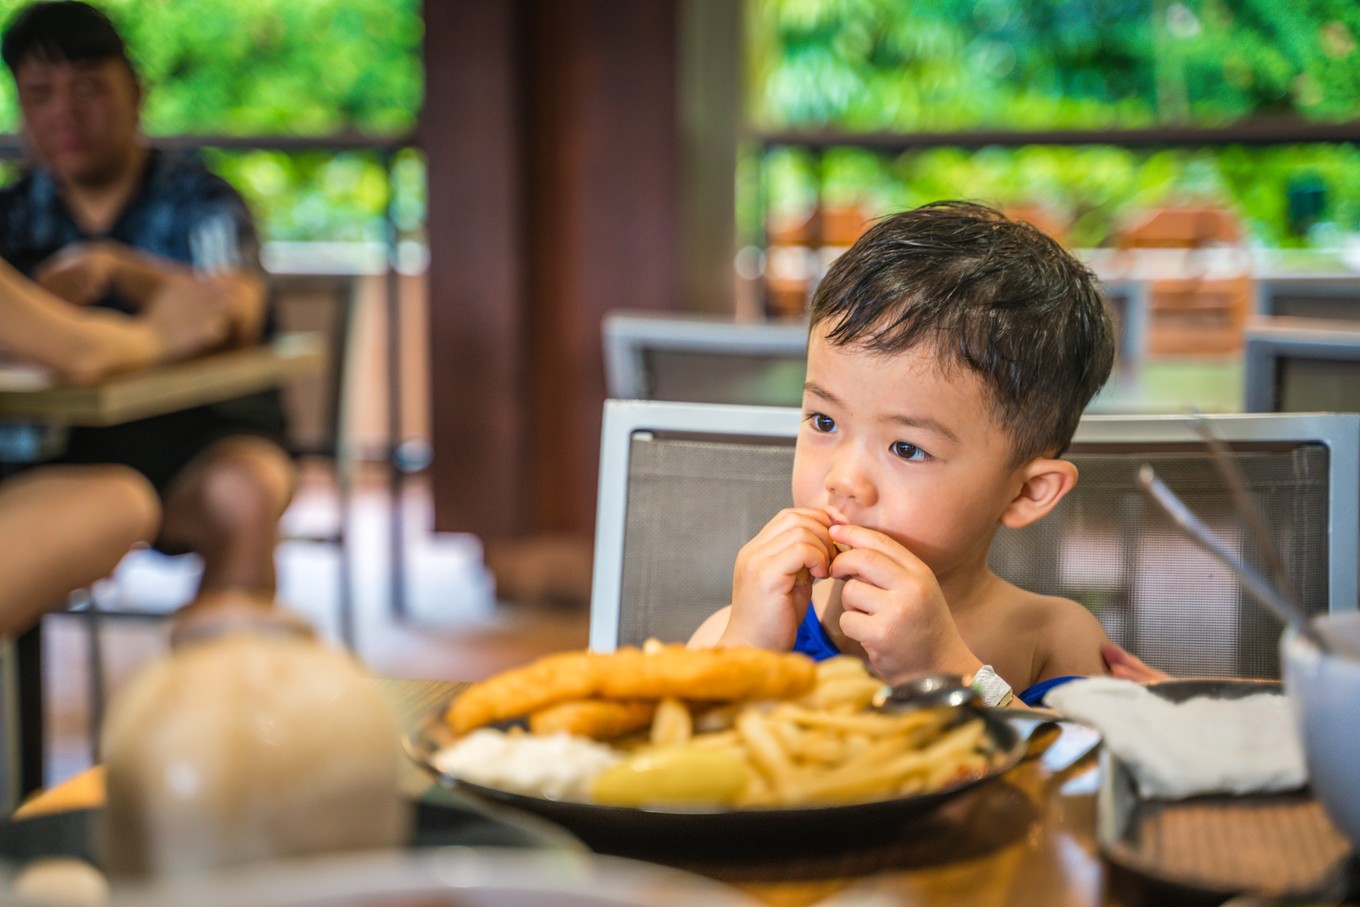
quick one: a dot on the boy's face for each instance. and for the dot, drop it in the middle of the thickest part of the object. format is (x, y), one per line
(80, 116)
(891, 443)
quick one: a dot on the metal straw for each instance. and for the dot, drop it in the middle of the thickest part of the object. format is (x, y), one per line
(1284, 606)
(1246, 505)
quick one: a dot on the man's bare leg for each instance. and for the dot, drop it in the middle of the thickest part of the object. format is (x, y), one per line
(225, 505)
(63, 527)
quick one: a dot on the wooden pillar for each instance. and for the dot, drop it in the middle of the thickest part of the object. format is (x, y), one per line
(472, 137)
(551, 135)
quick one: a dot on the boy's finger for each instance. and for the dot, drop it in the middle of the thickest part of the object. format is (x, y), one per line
(848, 536)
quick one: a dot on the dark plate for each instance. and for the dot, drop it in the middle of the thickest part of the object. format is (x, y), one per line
(628, 829)
(442, 818)
(1205, 850)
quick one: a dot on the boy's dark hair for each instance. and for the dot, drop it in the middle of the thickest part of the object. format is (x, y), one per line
(61, 30)
(992, 295)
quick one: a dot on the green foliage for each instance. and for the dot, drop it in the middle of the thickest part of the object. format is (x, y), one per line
(283, 68)
(318, 195)
(1091, 188)
(268, 67)
(958, 65)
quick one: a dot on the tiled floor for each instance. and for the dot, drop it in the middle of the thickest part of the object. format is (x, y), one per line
(455, 627)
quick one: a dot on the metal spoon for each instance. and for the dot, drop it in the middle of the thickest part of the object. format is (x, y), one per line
(1038, 728)
(930, 691)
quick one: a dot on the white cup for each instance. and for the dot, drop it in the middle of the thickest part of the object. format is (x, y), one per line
(251, 741)
(1324, 694)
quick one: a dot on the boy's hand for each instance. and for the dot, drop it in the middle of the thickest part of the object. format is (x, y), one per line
(894, 608)
(772, 580)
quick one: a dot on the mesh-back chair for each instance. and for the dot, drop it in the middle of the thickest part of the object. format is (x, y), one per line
(316, 406)
(682, 487)
(309, 306)
(11, 738)
(21, 717)
(321, 305)
(1302, 365)
(1156, 592)
(704, 359)
(1316, 297)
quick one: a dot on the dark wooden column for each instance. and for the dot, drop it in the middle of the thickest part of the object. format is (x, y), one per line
(552, 141)
(472, 135)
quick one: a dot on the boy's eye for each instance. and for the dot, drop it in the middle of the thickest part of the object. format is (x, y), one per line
(822, 422)
(908, 451)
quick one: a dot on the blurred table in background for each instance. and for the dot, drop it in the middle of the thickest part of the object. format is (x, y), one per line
(163, 389)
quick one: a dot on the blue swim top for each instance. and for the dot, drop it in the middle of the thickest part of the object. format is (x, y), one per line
(814, 642)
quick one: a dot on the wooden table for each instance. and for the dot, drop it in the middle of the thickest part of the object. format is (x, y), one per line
(166, 388)
(1025, 839)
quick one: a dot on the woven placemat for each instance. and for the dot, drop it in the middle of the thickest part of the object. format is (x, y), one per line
(1271, 845)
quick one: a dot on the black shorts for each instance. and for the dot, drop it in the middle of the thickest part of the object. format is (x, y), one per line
(160, 447)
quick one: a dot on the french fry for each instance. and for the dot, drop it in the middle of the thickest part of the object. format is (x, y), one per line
(855, 692)
(672, 724)
(764, 751)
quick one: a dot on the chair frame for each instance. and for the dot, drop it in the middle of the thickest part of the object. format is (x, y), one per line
(629, 335)
(1273, 293)
(623, 419)
(11, 722)
(1270, 340)
(336, 373)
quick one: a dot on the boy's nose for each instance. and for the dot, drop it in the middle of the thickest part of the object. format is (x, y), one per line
(848, 481)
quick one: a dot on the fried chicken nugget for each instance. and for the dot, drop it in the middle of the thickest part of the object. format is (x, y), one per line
(713, 674)
(598, 719)
(548, 681)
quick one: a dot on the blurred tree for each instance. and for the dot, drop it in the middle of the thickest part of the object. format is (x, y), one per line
(283, 68)
(957, 65)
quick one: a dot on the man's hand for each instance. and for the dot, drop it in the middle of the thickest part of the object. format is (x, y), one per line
(772, 580)
(894, 608)
(191, 316)
(81, 274)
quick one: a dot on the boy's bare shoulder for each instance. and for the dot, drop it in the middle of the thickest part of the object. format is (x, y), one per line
(1067, 636)
(1055, 635)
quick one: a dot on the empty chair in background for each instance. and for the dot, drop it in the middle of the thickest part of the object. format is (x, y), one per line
(704, 359)
(1330, 297)
(1302, 365)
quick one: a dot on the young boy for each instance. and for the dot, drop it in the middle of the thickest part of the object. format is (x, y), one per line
(950, 356)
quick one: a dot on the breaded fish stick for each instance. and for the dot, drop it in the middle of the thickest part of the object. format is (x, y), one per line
(631, 673)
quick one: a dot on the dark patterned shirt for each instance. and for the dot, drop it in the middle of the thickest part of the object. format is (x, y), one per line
(183, 212)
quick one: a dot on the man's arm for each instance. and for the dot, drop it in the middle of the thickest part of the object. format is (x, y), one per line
(83, 274)
(84, 345)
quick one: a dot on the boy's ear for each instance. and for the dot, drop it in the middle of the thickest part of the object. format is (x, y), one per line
(1044, 482)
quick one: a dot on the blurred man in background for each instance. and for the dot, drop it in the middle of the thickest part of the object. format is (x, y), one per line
(104, 221)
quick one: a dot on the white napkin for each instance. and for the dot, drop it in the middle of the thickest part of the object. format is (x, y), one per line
(1199, 746)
